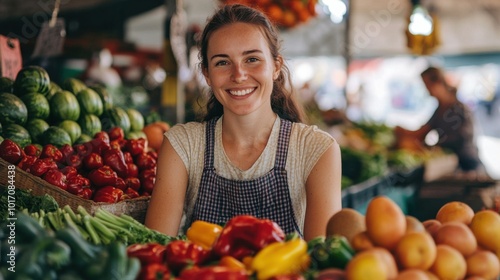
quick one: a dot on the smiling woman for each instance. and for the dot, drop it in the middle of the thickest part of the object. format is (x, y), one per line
(251, 154)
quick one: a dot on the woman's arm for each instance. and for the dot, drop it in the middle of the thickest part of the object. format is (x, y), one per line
(167, 200)
(323, 191)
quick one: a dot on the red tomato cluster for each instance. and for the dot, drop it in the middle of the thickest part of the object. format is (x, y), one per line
(109, 168)
(284, 13)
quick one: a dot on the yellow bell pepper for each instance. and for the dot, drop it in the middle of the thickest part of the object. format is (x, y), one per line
(281, 258)
(203, 233)
(231, 262)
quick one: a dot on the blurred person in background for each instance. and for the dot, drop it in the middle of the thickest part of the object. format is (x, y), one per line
(454, 124)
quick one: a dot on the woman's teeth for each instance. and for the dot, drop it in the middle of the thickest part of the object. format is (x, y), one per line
(240, 92)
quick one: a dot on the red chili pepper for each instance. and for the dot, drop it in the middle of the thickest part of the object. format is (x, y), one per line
(108, 194)
(214, 272)
(69, 171)
(145, 161)
(130, 194)
(26, 162)
(147, 253)
(10, 151)
(120, 184)
(102, 176)
(136, 146)
(181, 253)
(133, 170)
(56, 178)
(116, 133)
(51, 151)
(42, 165)
(92, 161)
(32, 150)
(128, 157)
(114, 158)
(133, 183)
(245, 235)
(154, 271)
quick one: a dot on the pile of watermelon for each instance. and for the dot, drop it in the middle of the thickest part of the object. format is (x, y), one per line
(35, 110)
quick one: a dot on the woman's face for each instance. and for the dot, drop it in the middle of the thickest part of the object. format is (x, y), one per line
(241, 70)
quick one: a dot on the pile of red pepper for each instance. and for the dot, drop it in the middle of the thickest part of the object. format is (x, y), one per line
(214, 252)
(109, 168)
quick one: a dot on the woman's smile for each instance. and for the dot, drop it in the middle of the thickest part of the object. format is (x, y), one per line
(241, 92)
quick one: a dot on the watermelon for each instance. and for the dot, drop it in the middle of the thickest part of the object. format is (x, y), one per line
(136, 135)
(6, 85)
(90, 102)
(1, 139)
(56, 136)
(17, 133)
(32, 78)
(116, 116)
(136, 119)
(36, 127)
(107, 100)
(90, 124)
(12, 109)
(53, 89)
(73, 85)
(64, 106)
(72, 128)
(84, 138)
(37, 105)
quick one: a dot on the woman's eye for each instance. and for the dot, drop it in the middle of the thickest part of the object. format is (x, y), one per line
(253, 59)
(221, 63)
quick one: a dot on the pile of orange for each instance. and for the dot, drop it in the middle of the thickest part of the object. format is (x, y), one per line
(458, 244)
(284, 13)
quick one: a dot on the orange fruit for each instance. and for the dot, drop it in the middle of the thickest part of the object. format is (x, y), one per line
(154, 133)
(416, 250)
(431, 226)
(449, 263)
(412, 274)
(347, 222)
(361, 242)
(389, 261)
(486, 227)
(385, 222)
(413, 224)
(431, 275)
(484, 264)
(368, 264)
(458, 236)
(455, 211)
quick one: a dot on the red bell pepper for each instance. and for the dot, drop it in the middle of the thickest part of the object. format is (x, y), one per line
(26, 162)
(56, 178)
(145, 161)
(75, 161)
(133, 183)
(120, 184)
(147, 178)
(154, 271)
(102, 176)
(153, 154)
(69, 171)
(67, 150)
(51, 151)
(85, 193)
(102, 135)
(92, 161)
(76, 183)
(108, 194)
(147, 253)
(42, 165)
(118, 144)
(130, 194)
(32, 150)
(245, 235)
(99, 145)
(10, 151)
(133, 170)
(128, 157)
(214, 272)
(181, 253)
(114, 159)
(116, 133)
(136, 146)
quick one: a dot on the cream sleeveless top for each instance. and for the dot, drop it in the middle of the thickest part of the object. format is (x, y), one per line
(307, 144)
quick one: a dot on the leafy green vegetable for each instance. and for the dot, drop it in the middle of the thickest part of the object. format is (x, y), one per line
(25, 200)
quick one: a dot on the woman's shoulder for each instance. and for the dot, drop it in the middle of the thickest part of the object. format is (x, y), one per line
(307, 131)
(189, 129)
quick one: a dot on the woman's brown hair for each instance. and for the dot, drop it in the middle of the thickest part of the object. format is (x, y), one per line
(283, 102)
(436, 75)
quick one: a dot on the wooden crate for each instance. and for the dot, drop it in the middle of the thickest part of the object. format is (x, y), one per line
(136, 207)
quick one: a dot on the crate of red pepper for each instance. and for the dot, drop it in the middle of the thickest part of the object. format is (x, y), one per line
(108, 172)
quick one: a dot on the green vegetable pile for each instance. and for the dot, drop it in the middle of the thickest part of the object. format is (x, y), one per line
(65, 254)
(25, 200)
(102, 228)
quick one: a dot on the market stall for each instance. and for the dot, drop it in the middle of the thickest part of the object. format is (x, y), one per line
(79, 149)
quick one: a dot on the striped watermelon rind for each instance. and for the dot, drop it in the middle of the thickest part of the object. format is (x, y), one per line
(17, 133)
(12, 109)
(36, 128)
(37, 105)
(32, 78)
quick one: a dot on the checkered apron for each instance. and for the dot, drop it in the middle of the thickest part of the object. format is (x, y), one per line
(219, 199)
